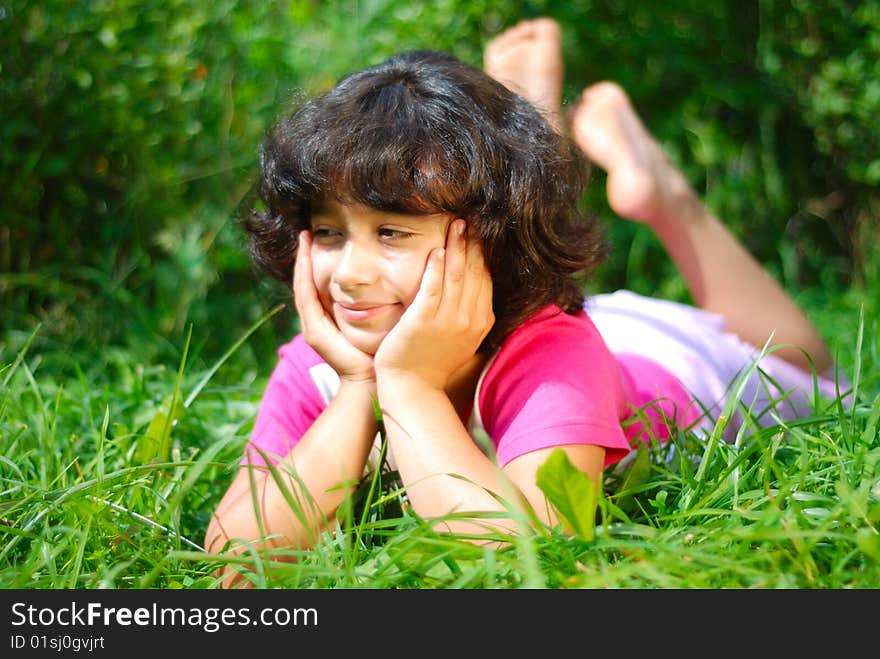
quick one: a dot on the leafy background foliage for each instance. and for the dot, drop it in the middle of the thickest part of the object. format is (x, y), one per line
(129, 135)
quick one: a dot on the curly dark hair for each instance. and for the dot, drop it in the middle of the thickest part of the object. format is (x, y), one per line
(422, 133)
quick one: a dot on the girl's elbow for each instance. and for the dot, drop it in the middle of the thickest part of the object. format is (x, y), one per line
(215, 536)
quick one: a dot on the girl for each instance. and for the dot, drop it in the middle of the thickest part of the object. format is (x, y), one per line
(430, 216)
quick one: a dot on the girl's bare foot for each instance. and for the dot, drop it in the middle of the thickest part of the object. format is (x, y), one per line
(642, 184)
(527, 59)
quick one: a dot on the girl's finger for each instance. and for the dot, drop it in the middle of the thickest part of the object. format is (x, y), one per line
(483, 301)
(476, 270)
(315, 322)
(456, 265)
(300, 268)
(305, 296)
(430, 292)
(477, 294)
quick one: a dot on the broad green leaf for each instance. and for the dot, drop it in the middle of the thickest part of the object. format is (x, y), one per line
(156, 442)
(571, 493)
(638, 473)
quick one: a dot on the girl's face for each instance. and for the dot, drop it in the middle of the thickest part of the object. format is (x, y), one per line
(368, 264)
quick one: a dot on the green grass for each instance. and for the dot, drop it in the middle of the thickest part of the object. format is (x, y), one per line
(110, 468)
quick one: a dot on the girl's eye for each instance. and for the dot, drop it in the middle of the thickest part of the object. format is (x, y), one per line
(393, 234)
(324, 233)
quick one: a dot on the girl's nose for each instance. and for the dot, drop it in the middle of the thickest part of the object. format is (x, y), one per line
(356, 266)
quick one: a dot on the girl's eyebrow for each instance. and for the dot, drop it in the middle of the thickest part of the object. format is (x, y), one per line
(323, 210)
(391, 218)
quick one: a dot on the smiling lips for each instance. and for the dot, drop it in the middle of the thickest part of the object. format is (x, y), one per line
(360, 311)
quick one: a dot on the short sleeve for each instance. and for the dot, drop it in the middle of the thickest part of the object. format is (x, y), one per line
(554, 383)
(291, 403)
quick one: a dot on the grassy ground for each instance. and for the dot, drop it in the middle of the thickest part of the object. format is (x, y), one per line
(111, 465)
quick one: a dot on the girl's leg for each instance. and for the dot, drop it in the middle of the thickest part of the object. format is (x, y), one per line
(643, 185)
(722, 276)
(527, 59)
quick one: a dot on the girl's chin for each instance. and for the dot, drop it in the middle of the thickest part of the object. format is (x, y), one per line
(368, 343)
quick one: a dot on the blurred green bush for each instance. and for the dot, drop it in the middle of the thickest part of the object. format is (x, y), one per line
(129, 133)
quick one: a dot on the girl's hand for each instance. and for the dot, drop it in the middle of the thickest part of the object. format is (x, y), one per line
(449, 317)
(318, 327)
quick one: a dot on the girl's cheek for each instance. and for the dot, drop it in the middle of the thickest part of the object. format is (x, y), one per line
(322, 270)
(407, 275)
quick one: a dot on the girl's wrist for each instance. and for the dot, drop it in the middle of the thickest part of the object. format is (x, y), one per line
(405, 381)
(365, 383)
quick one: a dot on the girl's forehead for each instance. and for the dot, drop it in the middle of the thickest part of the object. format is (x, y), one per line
(361, 212)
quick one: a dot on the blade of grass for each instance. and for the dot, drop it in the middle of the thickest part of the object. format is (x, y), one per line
(156, 442)
(226, 355)
(78, 558)
(20, 357)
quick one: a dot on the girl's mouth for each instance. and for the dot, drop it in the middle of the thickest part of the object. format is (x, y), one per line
(361, 311)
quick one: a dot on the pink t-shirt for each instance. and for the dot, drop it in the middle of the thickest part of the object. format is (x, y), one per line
(552, 383)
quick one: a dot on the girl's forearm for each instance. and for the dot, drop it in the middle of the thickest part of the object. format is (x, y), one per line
(442, 468)
(333, 452)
